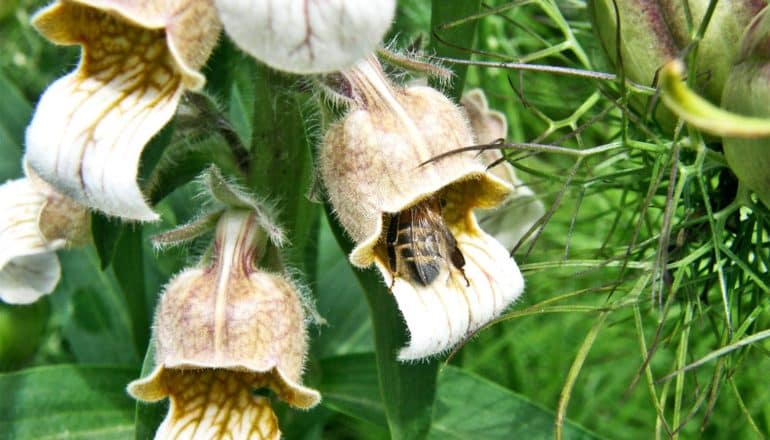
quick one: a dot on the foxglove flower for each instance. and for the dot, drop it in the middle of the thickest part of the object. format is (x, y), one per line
(303, 36)
(222, 332)
(411, 213)
(37, 220)
(90, 126)
(509, 222)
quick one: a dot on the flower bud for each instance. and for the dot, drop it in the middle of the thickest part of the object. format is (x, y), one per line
(747, 92)
(223, 331)
(407, 200)
(652, 32)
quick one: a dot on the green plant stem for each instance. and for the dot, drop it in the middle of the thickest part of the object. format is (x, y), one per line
(408, 389)
(281, 166)
(574, 371)
(128, 264)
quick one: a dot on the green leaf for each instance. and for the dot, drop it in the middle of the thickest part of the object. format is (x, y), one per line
(341, 302)
(15, 112)
(106, 233)
(94, 316)
(468, 406)
(349, 386)
(407, 390)
(128, 264)
(66, 401)
(454, 37)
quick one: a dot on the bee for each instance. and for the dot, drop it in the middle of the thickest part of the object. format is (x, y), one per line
(419, 242)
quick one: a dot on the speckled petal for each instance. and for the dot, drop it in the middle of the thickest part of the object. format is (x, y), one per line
(216, 404)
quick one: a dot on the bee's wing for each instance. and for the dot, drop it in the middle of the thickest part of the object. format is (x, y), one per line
(429, 247)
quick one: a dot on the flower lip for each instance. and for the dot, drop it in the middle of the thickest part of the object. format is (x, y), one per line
(491, 192)
(152, 388)
(209, 403)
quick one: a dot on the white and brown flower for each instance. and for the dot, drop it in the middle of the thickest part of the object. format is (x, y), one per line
(223, 332)
(448, 276)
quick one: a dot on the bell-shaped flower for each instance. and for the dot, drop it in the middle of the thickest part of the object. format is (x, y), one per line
(90, 126)
(509, 222)
(36, 221)
(410, 210)
(303, 36)
(223, 333)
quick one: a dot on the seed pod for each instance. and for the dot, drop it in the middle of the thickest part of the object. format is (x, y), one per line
(748, 92)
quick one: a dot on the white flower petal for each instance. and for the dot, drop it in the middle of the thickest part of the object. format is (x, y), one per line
(28, 267)
(91, 126)
(304, 36)
(442, 314)
(24, 280)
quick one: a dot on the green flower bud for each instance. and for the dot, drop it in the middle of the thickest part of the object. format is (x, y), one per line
(747, 92)
(653, 32)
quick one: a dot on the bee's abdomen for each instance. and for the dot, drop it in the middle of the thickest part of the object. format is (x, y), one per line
(421, 258)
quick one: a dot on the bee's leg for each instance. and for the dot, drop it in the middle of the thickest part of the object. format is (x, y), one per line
(390, 244)
(458, 261)
(456, 256)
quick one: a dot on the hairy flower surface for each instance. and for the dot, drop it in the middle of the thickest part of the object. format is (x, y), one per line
(411, 216)
(36, 221)
(90, 126)
(223, 332)
(509, 222)
(307, 36)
